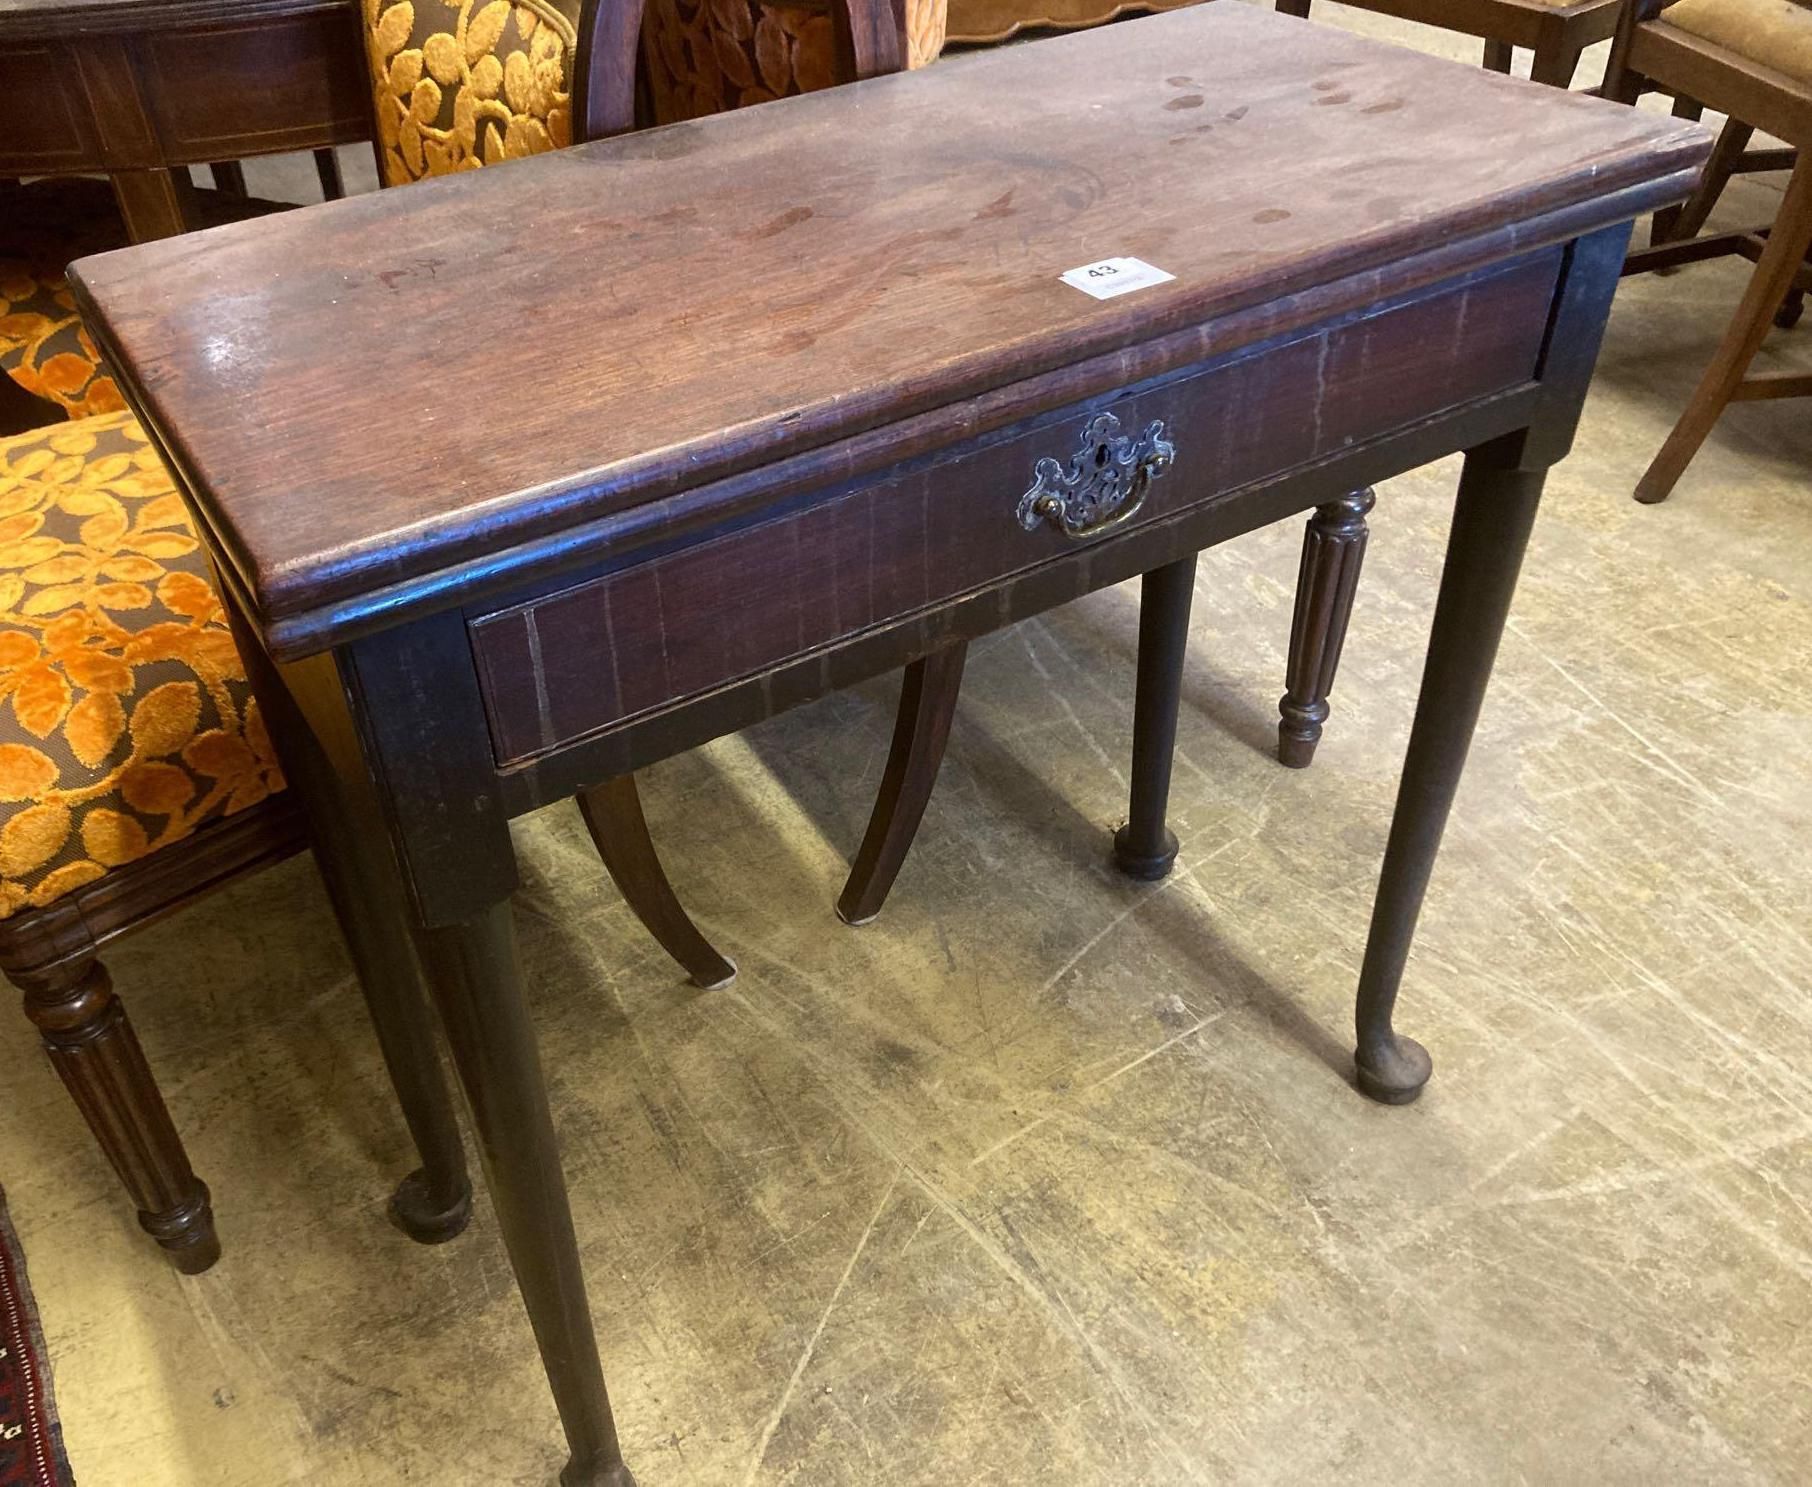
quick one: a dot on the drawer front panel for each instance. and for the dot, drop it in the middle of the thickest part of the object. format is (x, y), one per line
(571, 663)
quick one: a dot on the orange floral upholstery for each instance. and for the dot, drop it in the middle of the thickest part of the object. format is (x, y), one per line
(43, 347)
(705, 56)
(125, 718)
(459, 83)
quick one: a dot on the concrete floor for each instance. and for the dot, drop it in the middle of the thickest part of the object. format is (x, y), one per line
(1047, 1177)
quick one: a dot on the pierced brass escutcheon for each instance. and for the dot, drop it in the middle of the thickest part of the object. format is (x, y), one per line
(1106, 481)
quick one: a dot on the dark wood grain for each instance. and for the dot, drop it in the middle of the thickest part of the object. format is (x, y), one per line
(737, 485)
(666, 286)
(141, 89)
(557, 668)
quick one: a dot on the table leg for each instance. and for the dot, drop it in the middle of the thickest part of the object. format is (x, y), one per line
(1145, 847)
(479, 990)
(1333, 551)
(153, 202)
(1491, 522)
(433, 1203)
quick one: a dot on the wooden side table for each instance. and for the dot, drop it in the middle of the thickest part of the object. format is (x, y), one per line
(748, 487)
(141, 89)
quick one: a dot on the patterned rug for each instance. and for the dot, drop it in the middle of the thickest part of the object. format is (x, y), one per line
(31, 1442)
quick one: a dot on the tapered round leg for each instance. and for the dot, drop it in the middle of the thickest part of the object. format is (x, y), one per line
(921, 730)
(1145, 848)
(478, 988)
(1333, 551)
(96, 1053)
(1491, 523)
(433, 1203)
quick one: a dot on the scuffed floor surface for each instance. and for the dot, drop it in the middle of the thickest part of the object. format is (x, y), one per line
(1047, 1177)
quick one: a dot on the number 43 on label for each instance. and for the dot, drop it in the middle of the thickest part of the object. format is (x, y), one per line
(1113, 276)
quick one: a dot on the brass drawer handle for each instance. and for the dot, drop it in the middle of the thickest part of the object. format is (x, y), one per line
(1105, 484)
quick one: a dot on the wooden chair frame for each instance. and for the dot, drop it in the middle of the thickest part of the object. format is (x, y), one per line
(1555, 34)
(53, 954)
(1649, 53)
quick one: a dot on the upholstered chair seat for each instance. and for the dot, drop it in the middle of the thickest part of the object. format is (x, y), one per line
(1774, 33)
(43, 347)
(125, 718)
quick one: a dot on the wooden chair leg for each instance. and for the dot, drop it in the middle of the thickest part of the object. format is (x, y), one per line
(96, 1053)
(229, 179)
(1555, 65)
(613, 816)
(1298, 8)
(1677, 224)
(1333, 549)
(327, 168)
(928, 692)
(1499, 55)
(1768, 286)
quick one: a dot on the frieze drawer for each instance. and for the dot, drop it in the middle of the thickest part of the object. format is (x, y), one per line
(739, 603)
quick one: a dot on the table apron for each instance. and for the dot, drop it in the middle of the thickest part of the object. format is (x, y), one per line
(828, 567)
(214, 90)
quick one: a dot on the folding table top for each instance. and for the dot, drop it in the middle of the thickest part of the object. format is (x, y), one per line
(363, 394)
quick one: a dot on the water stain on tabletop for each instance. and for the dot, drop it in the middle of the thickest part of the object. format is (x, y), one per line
(1387, 106)
(1271, 214)
(1001, 206)
(1187, 100)
(791, 217)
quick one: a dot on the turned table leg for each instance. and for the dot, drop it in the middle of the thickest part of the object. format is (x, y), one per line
(1333, 550)
(479, 991)
(96, 1053)
(1492, 519)
(1145, 847)
(921, 730)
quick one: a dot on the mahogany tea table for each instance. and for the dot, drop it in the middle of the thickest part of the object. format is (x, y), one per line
(629, 477)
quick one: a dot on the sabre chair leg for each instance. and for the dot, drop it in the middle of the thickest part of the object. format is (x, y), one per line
(928, 692)
(619, 830)
(1333, 550)
(1145, 847)
(96, 1054)
(1773, 277)
(1677, 224)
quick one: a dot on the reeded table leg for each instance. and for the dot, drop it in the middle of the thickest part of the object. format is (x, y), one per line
(479, 991)
(921, 730)
(1333, 551)
(1144, 847)
(1491, 523)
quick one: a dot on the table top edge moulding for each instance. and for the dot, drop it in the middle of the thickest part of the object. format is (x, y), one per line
(53, 20)
(926, 292)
